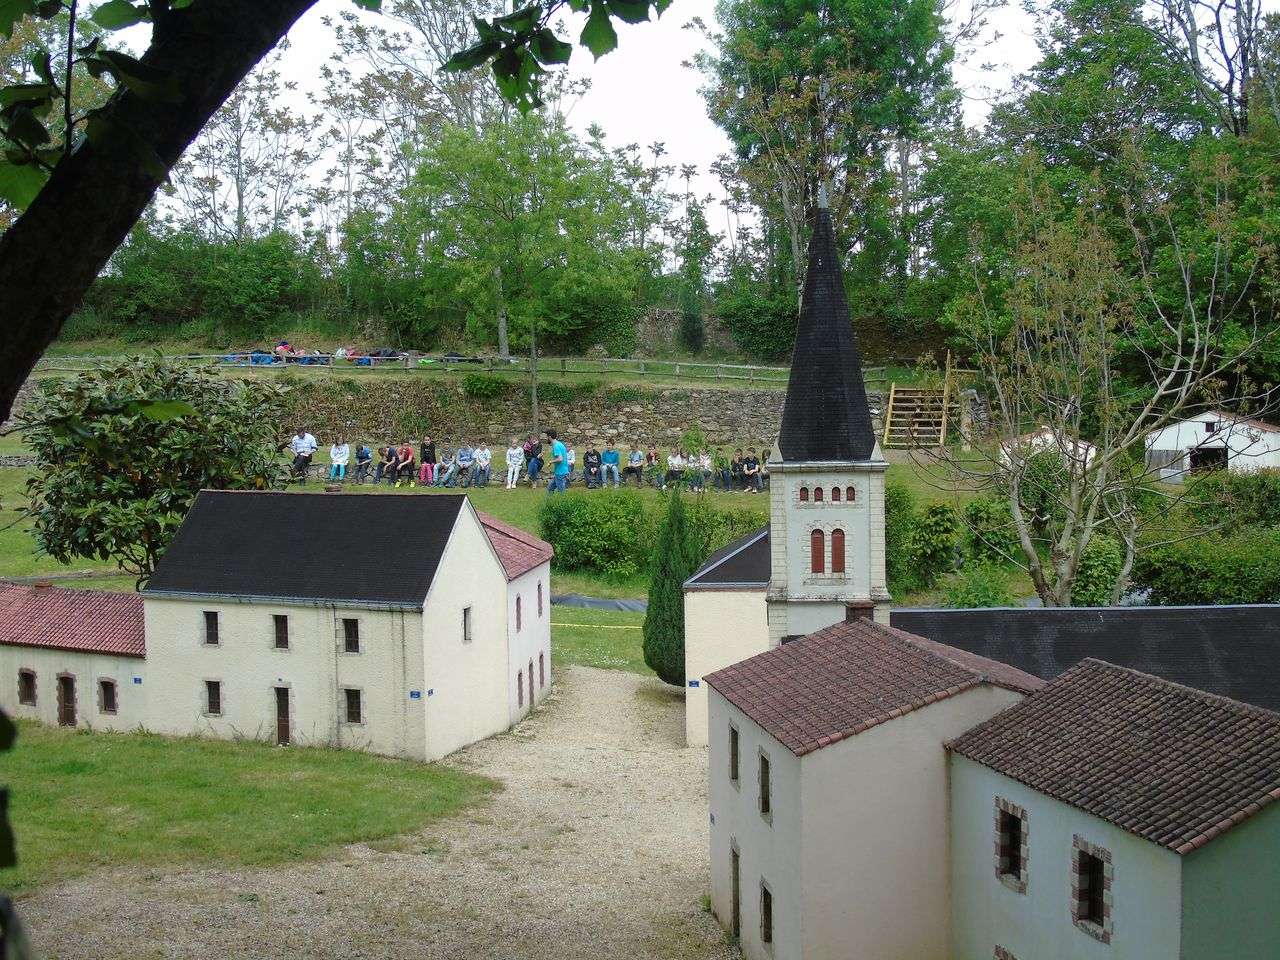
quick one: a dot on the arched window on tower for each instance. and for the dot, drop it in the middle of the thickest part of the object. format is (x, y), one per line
(817, 494)
(835, 494)
(817, 552)
(804, 494)
(851, 494)
(837, 551)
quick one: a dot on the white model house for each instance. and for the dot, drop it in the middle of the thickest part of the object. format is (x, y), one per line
(1117, 815)
(828, 791)
(824, 548)
(1212, 440)
(407, 625)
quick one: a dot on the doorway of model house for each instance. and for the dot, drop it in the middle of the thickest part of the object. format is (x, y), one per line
(735, 906)
(282, 716)
(66, 701)
(1208, 458)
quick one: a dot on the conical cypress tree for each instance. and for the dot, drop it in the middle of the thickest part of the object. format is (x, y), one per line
(673, 563)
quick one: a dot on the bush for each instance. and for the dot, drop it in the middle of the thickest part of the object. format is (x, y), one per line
(484, 386)
(979, 585)
(934, 539)
(1096, 576)
(899, 522)
(627, 394)
(1238, 568)
(1236, 500)
(554, 391)
(763, 327)
(600, 531)
(990, 535)
(712, 529)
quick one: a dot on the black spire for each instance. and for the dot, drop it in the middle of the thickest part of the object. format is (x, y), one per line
(826, 416)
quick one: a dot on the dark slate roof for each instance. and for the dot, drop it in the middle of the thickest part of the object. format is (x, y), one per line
(743, 563)
(1173, 765)
(309, 546)
(1233, 651)
(826, 416)
(838, 682)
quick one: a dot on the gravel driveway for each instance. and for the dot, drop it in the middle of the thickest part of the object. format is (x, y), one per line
(597, 848)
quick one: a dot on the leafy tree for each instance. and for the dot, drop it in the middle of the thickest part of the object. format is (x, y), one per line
(122, 452)
(695, 248)
(79, 205)
(674, 561)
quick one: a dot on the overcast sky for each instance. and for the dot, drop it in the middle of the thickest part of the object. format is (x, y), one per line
(642, 92)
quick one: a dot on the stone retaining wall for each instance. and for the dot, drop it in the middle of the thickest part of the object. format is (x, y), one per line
(384, 410)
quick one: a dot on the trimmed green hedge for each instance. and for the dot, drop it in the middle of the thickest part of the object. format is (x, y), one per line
(1242, 567)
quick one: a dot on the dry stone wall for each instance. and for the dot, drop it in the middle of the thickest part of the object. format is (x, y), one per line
(376, 411)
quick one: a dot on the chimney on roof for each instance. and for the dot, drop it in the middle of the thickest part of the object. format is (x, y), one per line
(859, 610)
(43, 584)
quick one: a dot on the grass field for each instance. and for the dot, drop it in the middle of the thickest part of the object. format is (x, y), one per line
(83, 801)
(597, 638)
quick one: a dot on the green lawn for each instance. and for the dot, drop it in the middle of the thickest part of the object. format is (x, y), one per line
(84, 801)
(597, 638)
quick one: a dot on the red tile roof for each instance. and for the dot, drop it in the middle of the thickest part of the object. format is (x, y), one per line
(519, 552)
(850, 677)
(91, 621)
(1173, 765)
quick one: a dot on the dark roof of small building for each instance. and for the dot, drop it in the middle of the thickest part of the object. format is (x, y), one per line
(519, 552)
(1172, 765)
(743, 563)
(85, 621)
(840, 681)
(309, 546)
(826, 415)
(1232, 651)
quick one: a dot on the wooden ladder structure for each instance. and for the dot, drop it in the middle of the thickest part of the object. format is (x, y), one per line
(918, 417)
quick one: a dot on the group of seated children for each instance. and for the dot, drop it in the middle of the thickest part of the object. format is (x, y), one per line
(471, 466)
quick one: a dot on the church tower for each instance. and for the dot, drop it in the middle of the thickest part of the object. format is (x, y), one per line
(826, 471)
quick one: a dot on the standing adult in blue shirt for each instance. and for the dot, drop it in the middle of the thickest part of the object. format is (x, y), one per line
(559, 465)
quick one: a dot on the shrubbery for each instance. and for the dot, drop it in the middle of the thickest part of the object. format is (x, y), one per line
(675, 557)
(485, 386)
(1233, 501)
(612, 532)
(553, 391)
(1243, 567)
(920, 545)
(990, 535)
(1099, 569)
(981, 584)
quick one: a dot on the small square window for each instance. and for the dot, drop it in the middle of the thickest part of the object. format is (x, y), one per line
(766, 914)
(211, 635)
(466, 624)
(107, 696)
(354, 713)
(766, 787)
(213, 698)
(733, 754)
(27, 687)
(281, 623)
(350, 635)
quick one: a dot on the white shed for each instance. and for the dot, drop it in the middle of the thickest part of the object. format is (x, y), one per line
(1212, 440)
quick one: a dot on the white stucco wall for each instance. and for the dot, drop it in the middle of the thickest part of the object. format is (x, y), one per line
(769, 850)
(875, 879)
(1249, 447)
(468, 686)
(87, 669)
(801, 601)
(1146, 886)
(531, 641)
(721, 627)
(314, 668)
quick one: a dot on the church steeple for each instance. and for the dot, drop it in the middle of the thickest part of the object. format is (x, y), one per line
(826, 416)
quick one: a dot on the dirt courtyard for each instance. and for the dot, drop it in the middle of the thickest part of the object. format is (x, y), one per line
(596, 848)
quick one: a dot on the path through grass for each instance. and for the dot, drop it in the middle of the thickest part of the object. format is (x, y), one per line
(83, 801)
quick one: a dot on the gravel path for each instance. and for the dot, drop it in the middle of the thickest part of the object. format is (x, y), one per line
(597, 848)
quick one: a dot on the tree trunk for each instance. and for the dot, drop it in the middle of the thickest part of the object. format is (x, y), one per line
(96, 194)
(504, 349)
(533, 371)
